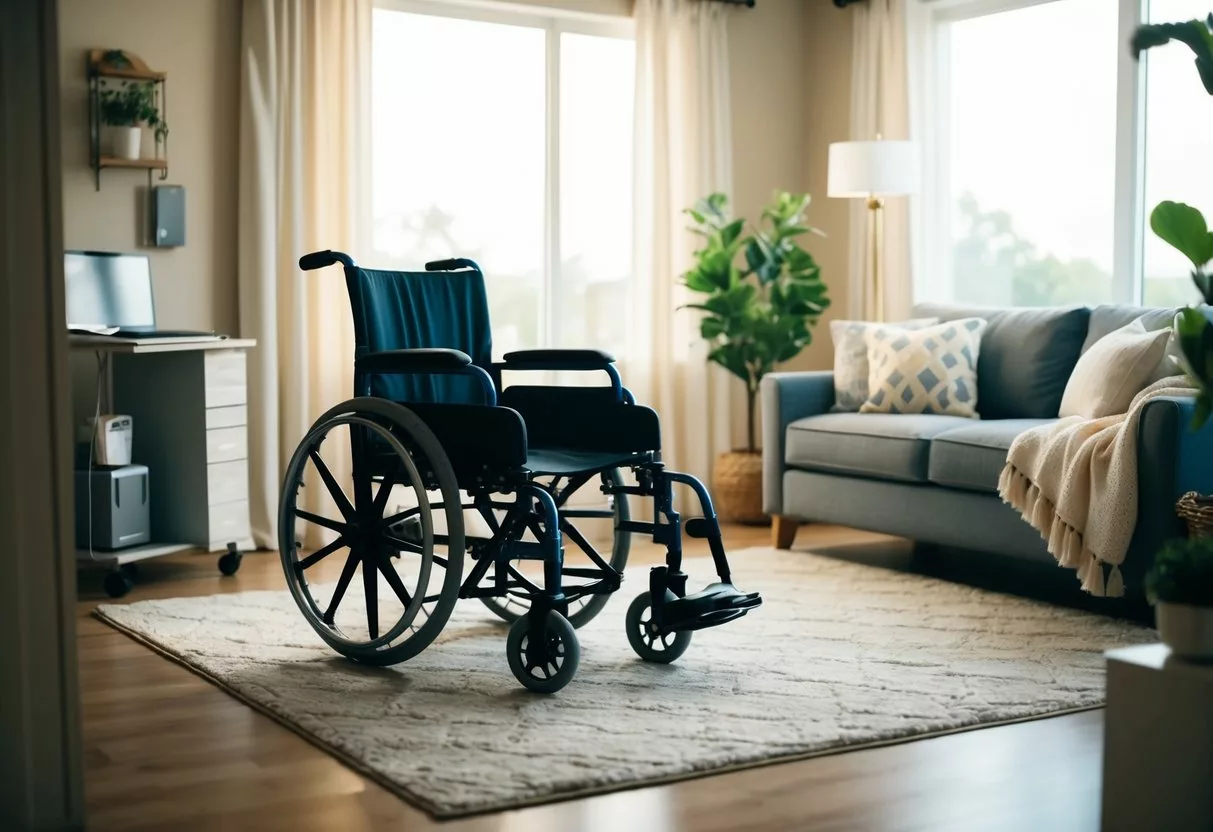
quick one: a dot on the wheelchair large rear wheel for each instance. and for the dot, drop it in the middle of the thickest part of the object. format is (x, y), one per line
(365, 466)
(586, 514)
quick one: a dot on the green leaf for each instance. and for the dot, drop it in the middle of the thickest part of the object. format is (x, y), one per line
(1204, 406)
(1184, 228)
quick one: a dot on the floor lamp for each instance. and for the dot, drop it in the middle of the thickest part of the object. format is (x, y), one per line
(874, 170)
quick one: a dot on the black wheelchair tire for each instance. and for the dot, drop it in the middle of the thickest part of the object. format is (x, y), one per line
(621, 546)
(428, 443)
(558, 627)
(642, 644)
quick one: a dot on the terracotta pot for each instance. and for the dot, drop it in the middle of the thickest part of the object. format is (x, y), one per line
(737, 487)
(1186, 629)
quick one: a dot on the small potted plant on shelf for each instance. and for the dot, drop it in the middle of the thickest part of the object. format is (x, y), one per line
(125, 109)
(763, 293)
(1180, 585)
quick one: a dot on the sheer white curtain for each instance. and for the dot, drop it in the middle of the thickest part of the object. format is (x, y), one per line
(683, 152)
(880, 105)
(304, 114)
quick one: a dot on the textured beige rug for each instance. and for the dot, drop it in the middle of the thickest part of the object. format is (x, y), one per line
(841, 655)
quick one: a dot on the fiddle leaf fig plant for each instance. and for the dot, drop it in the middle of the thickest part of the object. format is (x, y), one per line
(1183, 227)
(763, 291)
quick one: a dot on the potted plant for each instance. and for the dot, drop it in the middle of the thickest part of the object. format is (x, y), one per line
(1184, 227)
(1180, 585)
(762, 294)
(125, 109)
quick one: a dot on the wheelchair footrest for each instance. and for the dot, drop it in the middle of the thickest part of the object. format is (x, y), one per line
(715, 605)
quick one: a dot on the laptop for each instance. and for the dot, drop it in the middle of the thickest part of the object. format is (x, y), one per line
(110, 294)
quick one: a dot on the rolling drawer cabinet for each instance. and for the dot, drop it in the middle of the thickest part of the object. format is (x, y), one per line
(190, 411)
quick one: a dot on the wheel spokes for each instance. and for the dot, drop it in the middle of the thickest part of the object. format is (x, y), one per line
(371, 591)
(319, 555)
(347, 575)
(334, 488)
(328, 523)
(397, 585)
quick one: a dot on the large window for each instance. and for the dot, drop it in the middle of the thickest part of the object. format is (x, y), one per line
(1047, 146)
(507, 138)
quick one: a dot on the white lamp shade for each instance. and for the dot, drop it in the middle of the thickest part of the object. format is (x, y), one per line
(878, 168)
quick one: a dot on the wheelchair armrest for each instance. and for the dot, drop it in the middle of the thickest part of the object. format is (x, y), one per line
(523, 360)
(426, 362)
(412, 361)
(558, 359)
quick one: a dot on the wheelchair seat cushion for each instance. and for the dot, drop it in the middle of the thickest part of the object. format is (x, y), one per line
(583, 419)
(544, 461)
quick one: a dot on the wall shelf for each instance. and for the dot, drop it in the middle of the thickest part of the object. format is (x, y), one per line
(121, 67)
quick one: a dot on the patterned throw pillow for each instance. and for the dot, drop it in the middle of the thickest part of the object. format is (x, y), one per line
(932, 370)
(851, 359)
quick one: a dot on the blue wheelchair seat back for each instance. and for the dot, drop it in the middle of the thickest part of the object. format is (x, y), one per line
(422, 310)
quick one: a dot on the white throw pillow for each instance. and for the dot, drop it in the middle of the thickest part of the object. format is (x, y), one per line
(851, 359)
(1115, 369)
(931, 370)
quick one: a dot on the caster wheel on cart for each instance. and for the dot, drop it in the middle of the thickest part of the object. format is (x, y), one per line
(550, 669)
(117, 584)
(648, 643)
(229, 564)
(130, 570)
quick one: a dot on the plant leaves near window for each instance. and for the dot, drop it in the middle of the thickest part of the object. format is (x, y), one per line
(1184, 228)
(1196, 342)
(1194, 33)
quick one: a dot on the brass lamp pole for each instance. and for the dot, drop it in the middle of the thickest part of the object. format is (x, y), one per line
(871, 170)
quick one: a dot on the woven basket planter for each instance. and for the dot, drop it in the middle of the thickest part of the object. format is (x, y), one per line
(737, 487)
(1197, 512)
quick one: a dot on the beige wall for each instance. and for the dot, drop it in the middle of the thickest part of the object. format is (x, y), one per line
(826, 91)
(198, 44)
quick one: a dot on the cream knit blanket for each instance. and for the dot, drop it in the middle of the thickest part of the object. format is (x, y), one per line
(1075, 482)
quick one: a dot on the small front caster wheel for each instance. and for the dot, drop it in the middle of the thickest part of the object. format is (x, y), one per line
(117, 584)
(644, 637)
(229, 563)
(543, 670)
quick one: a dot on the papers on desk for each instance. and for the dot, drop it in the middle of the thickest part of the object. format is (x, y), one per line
(91, 329)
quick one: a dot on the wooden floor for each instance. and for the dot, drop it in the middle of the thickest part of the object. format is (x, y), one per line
(165, 750)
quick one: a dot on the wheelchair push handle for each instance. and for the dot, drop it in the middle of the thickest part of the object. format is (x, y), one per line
(321, 259)
(452, 264)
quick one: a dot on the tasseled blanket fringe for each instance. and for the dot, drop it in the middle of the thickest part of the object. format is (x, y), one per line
(1065, 543)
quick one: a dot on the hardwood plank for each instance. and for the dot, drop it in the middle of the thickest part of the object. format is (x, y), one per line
(165, 749)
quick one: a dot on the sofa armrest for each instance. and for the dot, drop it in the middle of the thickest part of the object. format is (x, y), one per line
(787, 397)
(1172, 459)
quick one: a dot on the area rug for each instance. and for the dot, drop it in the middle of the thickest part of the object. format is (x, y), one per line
(840, 656)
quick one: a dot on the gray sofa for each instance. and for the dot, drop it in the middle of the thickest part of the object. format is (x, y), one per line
(934, 479)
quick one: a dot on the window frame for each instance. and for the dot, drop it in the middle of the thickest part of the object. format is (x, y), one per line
(932, 17)
(554, 22)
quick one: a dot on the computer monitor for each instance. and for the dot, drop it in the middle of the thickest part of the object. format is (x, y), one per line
(108, 289)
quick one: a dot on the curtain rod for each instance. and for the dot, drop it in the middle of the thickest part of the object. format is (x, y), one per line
(749, 4)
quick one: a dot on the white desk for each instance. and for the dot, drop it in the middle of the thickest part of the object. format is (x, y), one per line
(189, 403)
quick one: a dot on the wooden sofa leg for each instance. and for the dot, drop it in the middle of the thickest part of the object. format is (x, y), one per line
(783, 531)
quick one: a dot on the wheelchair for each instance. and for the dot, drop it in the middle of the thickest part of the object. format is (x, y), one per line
(431, 434)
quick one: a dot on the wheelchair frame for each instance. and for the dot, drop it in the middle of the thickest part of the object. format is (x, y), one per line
(538, 638)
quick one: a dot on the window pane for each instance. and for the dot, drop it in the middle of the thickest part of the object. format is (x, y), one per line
(1032, 153)
(1179, 124)
(590, 290)
(458, 156)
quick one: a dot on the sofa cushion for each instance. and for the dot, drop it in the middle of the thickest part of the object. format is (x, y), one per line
(972, 456)
(885, 445)
(1108, 319)
(1026, 359)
